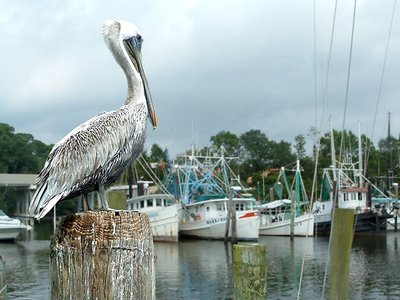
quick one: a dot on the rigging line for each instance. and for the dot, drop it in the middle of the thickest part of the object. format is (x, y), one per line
(315, 124)
(381, 81)
(151, 174)
(325, 98)
(315, 69)
(325, 95)
(348, 80)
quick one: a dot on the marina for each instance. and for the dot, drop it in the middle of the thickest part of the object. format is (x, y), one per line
(232, 217)
(199, 269)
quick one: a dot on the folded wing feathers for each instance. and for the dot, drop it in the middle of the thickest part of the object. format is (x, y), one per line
(80, 155)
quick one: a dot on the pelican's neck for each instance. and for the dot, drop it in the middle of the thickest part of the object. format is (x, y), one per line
(135, 84)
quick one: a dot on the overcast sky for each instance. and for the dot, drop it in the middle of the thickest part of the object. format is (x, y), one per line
(211, 66)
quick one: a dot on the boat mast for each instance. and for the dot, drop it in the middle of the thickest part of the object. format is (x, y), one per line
(389, 157)
(298, 187)
(360, 160)
(335, 186)
(333, 156)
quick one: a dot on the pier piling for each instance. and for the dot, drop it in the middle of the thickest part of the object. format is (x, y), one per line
(103, 255)
(250, 271)
(341, 240)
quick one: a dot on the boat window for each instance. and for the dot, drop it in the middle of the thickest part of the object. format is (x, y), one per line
(149, 202)
(165, 202)
(158, 202)
(208, 208)
(352, 196)
(142, 204)
(137, 205)
(239, 206)
(220, 206)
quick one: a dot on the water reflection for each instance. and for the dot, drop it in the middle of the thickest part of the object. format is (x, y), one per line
(193, 270)
(202, 269)
(374, 273)
(27, 265)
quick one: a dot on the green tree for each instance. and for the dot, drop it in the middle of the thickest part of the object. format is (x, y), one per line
(255, 153)
(299, 146)
(157, 154)
(228, 140)
(19, 153)
(387, 162)
(281, 154)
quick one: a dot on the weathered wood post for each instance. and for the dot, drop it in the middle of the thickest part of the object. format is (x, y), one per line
(228, 219)
(103, 255)
(292, 214)
(231, 220)
(234, 237)
(341, 240)
(250, 271)
(3, 281)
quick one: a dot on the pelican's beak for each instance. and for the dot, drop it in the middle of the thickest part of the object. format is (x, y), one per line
(133, 46)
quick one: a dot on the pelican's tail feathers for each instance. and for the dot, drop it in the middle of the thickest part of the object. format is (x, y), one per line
(47, 207)
(38, 199)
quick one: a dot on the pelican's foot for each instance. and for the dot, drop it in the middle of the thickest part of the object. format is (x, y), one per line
(107, 209)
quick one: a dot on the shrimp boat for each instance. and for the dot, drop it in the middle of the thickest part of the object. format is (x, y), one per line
(162, 208)
(284, 217)
(345, 186)
(204, 187)
(163, 213)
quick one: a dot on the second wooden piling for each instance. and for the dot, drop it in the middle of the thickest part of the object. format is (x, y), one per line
(250, 271)
(341, 241)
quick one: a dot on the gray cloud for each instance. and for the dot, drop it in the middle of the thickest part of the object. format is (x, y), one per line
(211, 65)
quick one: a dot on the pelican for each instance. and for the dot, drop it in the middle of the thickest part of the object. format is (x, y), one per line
(94, 154)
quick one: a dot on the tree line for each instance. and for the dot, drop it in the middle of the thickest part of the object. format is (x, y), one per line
(255, 152)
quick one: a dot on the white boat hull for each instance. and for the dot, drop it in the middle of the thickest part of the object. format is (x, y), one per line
(247, 227)
(165, 224)
(10, 228)
(163, 216)
(303, 226)
(10, 233)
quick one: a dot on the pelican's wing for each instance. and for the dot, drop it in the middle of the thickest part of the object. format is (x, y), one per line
(81, 155)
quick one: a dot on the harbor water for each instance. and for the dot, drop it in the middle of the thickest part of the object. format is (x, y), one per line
(193, 269)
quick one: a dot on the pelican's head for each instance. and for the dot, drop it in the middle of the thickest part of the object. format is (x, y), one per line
(125, 42)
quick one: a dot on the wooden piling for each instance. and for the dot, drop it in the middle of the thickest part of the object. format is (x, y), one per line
(292, 214)
(231, 220)
(228, 219)
(103, 255)
(250, 271)
(341, 240)
(234, 237)
(3, 281)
